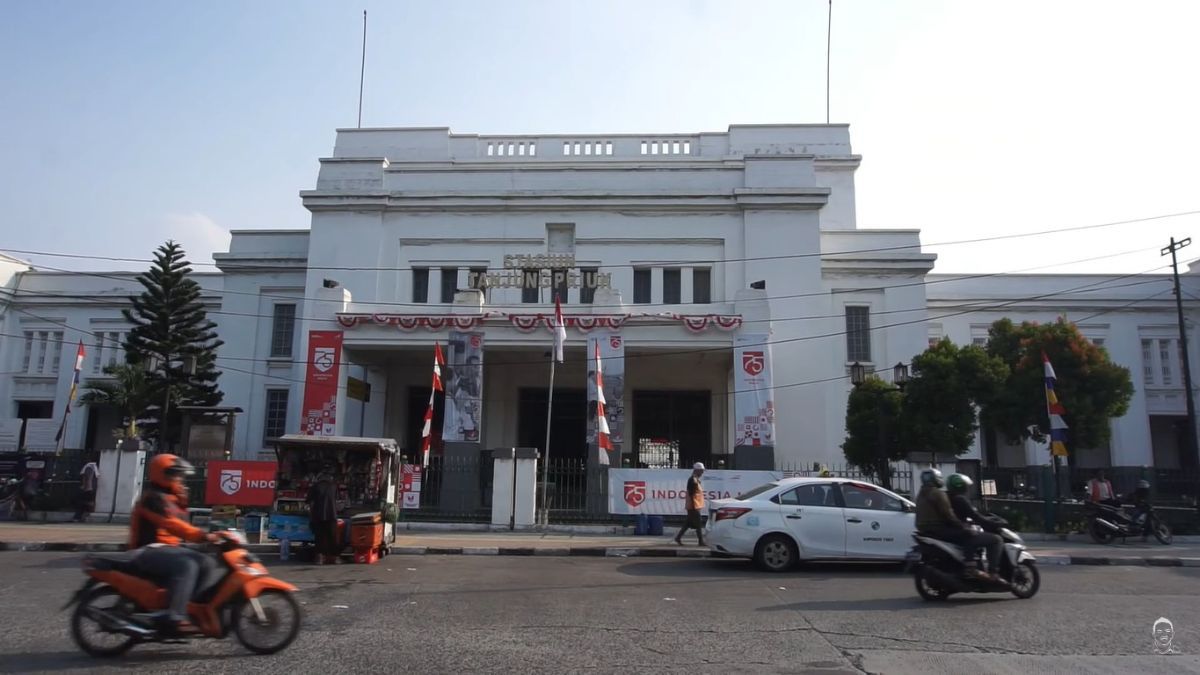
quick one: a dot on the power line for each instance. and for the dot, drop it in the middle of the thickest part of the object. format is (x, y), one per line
(233, 265)
(627, 357)
(835, 291)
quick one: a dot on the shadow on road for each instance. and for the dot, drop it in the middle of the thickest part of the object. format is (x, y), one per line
(745, 569)
(881, 604)
(74, 660)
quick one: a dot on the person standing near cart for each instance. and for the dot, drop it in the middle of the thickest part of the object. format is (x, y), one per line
(694, 504)
(322, 519)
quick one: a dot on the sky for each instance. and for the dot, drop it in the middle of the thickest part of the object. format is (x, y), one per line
(128, 123)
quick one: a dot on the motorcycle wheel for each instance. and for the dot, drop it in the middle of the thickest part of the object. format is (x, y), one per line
(1161, 532)
(927, 589)
(282, 614)
(103, 598)
(1026, 580)
(1099, 533)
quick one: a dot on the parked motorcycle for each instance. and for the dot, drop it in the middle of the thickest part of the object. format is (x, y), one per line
(113, 606)
(938, 568)
(1106, 522)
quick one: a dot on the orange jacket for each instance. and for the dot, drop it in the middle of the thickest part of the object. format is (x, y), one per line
(158, 518)
(695, 494)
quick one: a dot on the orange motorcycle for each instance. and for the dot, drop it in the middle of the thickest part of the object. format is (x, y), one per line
(114, 605)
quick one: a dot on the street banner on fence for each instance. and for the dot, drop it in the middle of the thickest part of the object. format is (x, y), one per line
(662, 492)
(410, 486)
(319, 415)
(754, 400)
(240, 483)
(462, 379)
(612, 355)
(41, 435)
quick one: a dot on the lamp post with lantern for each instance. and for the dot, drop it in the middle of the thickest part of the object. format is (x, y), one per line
(858, 375)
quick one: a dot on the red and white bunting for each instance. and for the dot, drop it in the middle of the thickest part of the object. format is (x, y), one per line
(427, 430)
(603, 440)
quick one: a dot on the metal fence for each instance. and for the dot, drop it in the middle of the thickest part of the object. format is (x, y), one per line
(1168, 487)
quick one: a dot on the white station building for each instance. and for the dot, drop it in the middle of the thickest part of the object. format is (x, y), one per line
(703, 264)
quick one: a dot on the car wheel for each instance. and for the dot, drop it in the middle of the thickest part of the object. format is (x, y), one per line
(776, 553)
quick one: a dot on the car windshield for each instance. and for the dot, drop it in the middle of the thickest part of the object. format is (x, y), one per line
(757, 491)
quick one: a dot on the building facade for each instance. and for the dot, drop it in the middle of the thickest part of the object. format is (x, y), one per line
(723, 276)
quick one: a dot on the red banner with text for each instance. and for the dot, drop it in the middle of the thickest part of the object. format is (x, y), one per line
(319, 415)
(240, 483)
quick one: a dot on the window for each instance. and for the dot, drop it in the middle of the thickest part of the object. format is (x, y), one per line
(283, 328)
(97, 354)
(857, 497)
(29, 336)
(701, 285)
(449, 283)
(116, 344)
(275, 419)
(1148, 361)
(587, 287)
(55, 347)
(757, 491)
(560, 282)
(672, 287)
(43, 338)
(420, 284)
(641, 286)
(809, 495)
(1164, 355)
(858, 334)
(530, 285)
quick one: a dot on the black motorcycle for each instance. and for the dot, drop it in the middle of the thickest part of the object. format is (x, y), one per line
(939, 568)
(1106, 522)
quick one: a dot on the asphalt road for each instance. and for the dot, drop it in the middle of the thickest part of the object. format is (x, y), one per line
(431, 614)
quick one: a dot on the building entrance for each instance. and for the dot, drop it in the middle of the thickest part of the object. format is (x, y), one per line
(672, 427)
(568, 434)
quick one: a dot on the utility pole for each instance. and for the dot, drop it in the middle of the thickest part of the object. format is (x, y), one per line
(1183, 349)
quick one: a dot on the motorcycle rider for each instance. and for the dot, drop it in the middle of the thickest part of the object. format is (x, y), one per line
(936, 519)
(157, 527)
(957, 485)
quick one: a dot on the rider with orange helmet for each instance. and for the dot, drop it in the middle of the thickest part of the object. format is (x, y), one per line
(157, 527)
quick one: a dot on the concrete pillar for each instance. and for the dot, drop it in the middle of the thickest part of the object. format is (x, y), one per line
(120, 482)
(514, 487)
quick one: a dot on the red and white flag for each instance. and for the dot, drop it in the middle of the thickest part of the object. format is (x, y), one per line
(427, 430)
(560, 330)
(603, 440)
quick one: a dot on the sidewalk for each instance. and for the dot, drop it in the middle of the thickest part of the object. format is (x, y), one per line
(443, 541)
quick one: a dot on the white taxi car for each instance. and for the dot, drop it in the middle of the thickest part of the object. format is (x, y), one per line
(786, 521)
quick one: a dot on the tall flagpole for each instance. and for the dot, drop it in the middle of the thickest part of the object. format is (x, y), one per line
(362, 71)
(828, 36)
(546, 461)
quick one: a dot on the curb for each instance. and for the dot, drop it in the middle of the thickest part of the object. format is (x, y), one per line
(272, 550)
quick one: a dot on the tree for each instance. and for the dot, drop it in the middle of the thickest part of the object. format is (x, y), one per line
(170, 327)
(1091, 388)
(873, 414)
(128, 391)
(943, 395)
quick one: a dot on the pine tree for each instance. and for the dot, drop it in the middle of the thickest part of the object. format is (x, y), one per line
(170, 326)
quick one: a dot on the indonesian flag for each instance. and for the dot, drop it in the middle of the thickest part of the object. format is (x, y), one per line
(80, 355)
(1055, 411)
(427, 430)
(603, 441)
(560, 330)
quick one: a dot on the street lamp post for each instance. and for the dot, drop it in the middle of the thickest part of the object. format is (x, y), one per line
(858, 375)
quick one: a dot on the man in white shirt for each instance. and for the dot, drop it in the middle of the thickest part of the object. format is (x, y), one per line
(89, 478)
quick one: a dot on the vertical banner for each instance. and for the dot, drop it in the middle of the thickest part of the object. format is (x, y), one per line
(410, 486)
(612, 353)
(321, 383)
(463, 381)
(754, 400)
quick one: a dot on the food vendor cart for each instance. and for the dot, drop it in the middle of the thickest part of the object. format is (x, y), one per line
(365, 472)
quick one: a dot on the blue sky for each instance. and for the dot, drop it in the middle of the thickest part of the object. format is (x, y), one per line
(132, 122)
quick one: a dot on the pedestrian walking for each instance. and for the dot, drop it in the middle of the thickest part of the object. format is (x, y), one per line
(89, 479)
(322, 519)
(694, 503)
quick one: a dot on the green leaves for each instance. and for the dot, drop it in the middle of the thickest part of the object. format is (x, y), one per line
(942, 396)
